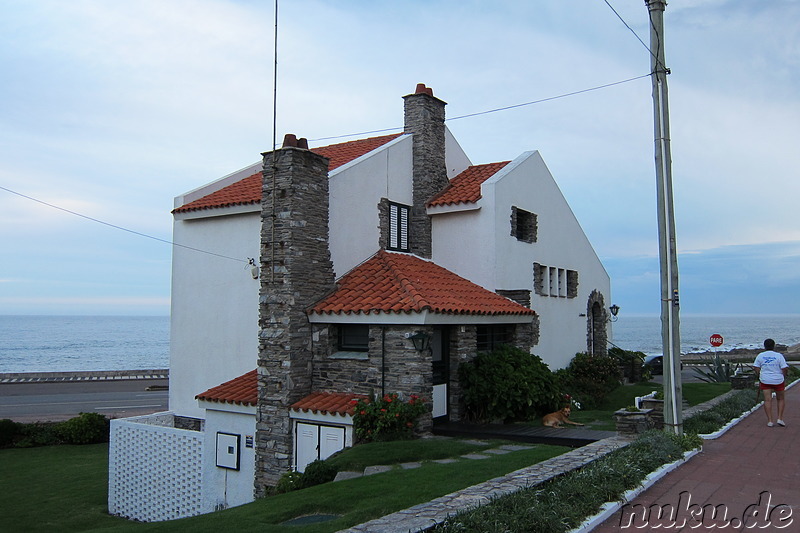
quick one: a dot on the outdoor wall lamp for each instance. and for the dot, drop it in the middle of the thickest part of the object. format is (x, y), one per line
(421, 340)
(614, 312)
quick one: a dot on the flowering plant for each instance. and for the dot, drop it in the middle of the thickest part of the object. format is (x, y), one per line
(387, 418)
(574, 404)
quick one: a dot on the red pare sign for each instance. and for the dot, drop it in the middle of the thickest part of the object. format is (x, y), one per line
(715, 340)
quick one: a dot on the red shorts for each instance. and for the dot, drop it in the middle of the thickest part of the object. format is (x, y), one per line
(777, 388)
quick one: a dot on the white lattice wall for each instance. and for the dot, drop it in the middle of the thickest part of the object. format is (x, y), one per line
(155, 471)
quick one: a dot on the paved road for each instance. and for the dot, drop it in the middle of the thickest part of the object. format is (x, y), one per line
(30, 402)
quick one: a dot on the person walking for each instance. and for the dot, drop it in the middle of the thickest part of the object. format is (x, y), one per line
(771, 368)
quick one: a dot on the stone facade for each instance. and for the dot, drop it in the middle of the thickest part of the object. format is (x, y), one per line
(296, 269)
(521, 296)
(424, 118)
(596, 325)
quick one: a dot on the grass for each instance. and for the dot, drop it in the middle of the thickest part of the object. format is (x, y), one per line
(63, 488)
(602, 418)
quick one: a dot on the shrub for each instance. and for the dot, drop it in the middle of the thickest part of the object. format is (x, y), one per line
(318, 472)
(86, 428)
(507, 384)
(589, 378)
(288, 482)
(631, 364)
(387, 418)
(718, 370)
(39, 434)
(8, 430)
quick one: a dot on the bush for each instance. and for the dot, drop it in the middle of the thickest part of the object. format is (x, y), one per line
(507, 384)
(589, 378)
(86, 428)
(631, 364)
(39, 434)
(387, 418)
(318, 472)
(8, 430)
(288, 482)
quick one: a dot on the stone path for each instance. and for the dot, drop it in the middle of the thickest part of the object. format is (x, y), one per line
(425, 515)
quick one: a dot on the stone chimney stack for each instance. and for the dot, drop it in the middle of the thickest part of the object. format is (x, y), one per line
(424, 118)
(296, 269)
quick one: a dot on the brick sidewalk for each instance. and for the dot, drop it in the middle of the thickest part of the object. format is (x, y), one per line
(747, 468)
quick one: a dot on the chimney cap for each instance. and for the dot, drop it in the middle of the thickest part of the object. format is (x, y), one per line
(290, 140)
(422, 89)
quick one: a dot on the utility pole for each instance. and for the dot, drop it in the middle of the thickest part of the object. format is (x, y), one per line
(670, 305)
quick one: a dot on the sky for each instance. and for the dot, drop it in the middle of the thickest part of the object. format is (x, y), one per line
(111, 109)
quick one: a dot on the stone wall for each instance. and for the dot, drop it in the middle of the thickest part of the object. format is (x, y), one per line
(424, 118)
(295, 270)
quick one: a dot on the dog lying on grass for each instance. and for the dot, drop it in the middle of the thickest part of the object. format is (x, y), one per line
(555, 420)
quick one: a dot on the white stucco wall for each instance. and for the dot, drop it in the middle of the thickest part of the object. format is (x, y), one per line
(222, 487)
(214, 316)
(478, 245)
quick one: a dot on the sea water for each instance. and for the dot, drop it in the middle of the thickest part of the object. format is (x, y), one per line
(643, 333)
(85, 343)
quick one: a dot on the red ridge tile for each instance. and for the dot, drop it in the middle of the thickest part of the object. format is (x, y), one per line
(466, 187)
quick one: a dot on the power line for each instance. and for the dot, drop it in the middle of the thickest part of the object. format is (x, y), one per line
(31, 198)
(636, 35)
(549, 98)
(495, 110)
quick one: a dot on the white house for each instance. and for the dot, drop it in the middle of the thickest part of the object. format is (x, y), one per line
(361, 247)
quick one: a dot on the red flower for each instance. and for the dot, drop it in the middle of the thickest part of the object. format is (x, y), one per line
(409, 424)
(383, 410)
(363, 412)
(397, 415)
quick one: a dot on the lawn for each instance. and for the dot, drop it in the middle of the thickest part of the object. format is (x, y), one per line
(63, 488)
(602, 418)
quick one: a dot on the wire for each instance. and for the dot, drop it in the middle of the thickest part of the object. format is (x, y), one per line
(573, 93)
(120, 227)
(655, 56)
(550, 98)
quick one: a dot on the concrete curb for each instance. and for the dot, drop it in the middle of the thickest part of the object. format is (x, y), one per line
(94, 375)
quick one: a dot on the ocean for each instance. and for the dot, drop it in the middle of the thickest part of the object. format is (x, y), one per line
(84, 343)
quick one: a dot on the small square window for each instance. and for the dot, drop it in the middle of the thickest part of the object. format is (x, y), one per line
(523, 225)
(354, 338)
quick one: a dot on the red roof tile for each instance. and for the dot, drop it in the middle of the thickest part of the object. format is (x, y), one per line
(340, 403)
(248, 190)
(393, 282)
(242, 390)
(466, 187)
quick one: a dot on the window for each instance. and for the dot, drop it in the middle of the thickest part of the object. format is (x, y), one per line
(523, 225)
(398, 227)
(491, 337)
(354, 338)
(554, 281)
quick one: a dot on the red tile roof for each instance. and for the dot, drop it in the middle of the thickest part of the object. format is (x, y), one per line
(466, 187)
(393, 282)
(248, 190)
(340, 403)
(242, 390)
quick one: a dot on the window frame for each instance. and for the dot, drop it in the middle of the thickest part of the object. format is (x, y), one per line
(399, 226)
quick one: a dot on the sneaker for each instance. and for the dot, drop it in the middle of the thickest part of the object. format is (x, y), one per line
(781, 423)
(770, 424)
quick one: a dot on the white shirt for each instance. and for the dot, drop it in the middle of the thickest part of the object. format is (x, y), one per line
(771, 365)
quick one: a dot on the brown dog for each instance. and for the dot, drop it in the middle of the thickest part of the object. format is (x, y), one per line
(554, 420)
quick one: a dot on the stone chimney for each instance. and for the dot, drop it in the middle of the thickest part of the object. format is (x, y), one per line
(424, 117)
(296, 269)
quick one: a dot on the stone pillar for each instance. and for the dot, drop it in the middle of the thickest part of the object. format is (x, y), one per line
(424, 118)
(296, 271)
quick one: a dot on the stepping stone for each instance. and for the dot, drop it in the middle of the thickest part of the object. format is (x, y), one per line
(444, 461)
(515, 447)
(376, 469)
(409, 466)
(475, 456)
(497, 451)
(341, 476)
(475, 442)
